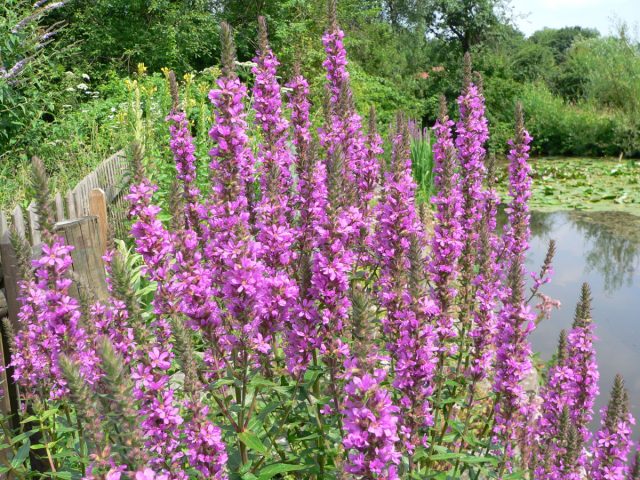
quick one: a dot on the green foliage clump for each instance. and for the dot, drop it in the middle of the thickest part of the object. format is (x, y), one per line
(108, 34)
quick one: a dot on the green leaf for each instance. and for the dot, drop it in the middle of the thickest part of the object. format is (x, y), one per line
(222, 382)
(23, 436)
(445, 456)
(470, 459)
(62, 475)
(21, 454)
(261, 382)
(272, 470)
(252, 441)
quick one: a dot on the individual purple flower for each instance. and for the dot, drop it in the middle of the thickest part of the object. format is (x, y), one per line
(149, 474)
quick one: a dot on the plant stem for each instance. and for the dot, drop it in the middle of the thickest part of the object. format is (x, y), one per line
(321, 440)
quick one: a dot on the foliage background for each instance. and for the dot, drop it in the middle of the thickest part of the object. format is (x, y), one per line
(580, 90)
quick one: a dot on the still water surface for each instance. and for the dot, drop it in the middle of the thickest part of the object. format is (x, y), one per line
(602, 249)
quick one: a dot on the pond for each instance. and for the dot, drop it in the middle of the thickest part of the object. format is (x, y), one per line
(602, 249)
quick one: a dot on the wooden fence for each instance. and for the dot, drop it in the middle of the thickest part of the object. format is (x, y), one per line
(83, 217)
(110, 177)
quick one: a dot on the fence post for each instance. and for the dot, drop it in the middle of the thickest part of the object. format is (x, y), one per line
(71, 206)
(18, 221)
(3, 224)
(34, 223)
(11, 280)
(98, 207)
(84, 235)
(59, 207)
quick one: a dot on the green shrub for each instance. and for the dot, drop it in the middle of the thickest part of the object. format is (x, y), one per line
(561, 128)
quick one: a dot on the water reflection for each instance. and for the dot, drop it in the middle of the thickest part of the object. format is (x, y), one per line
(615, 250)
(602, 249)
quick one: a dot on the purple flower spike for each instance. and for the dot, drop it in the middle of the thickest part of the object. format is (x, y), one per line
(446, 244)
(370, 425)
(612, 444)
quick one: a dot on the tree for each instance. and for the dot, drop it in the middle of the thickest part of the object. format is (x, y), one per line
(560, 40)
(468, 22)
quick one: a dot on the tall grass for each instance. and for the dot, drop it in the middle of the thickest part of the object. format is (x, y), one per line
(422, 161)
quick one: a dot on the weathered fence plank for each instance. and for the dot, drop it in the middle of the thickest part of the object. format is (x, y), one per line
(59, 207)
(98, 207)
(3, 224)
(71, 206)
(34, 225)
(84, 235)
(18, 221)
(11, 282)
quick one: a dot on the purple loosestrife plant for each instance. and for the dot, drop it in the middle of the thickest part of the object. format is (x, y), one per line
(158, 406)
(472, 134)
(406, 321)
(477, 294)
(183, 149)
(302, 332)
(513, 364)
(311, 204)
(232, 252)
(370, 424)
(515, 320)
(299, 105)
(164, 427)
(582, 361)
(50, 327)
(612, 443)
(446, 243)
(343, 136)
(487, 285)
(273, 212)
(517, 232)
(371, 419)
(556, 402)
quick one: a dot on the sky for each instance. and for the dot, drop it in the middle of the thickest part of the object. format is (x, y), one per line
(532, 15)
